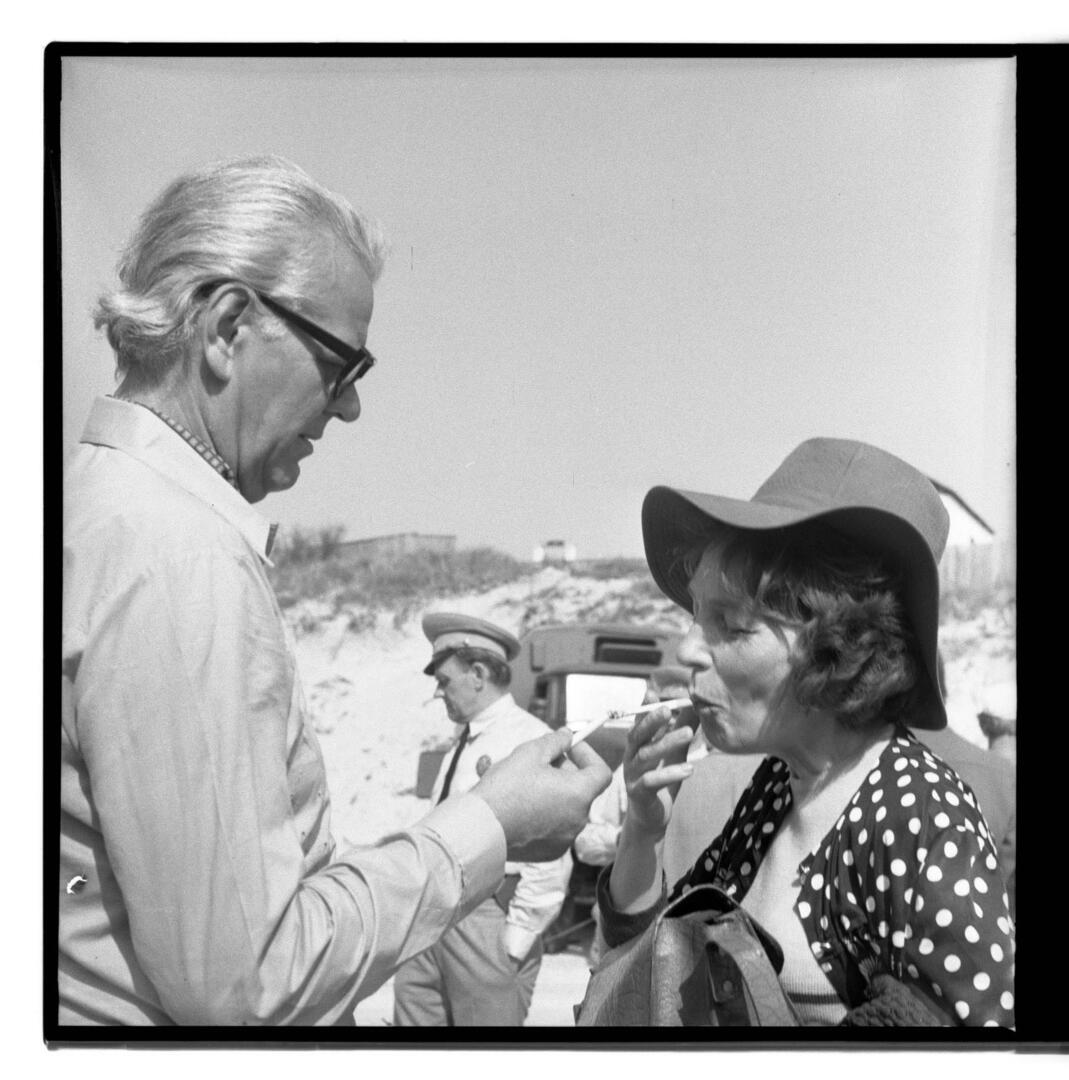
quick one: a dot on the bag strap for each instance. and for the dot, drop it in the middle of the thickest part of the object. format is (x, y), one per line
(734, 951)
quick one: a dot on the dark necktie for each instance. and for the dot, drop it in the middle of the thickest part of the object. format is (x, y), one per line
(453, 764)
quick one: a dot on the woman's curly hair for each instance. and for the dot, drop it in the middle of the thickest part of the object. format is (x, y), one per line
(855, 655)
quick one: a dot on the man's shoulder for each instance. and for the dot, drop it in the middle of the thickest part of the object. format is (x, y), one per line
(115, 503)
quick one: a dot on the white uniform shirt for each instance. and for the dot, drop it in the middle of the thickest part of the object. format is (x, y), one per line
(493, 735)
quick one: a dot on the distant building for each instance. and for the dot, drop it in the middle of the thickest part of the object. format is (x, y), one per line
(974, 558)
(966, 525)
(554, 553)
(377, 547)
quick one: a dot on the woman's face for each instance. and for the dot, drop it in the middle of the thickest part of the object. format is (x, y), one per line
(739, 665)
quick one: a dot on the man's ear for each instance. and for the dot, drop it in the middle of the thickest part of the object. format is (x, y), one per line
(481, 673)
(228, 313)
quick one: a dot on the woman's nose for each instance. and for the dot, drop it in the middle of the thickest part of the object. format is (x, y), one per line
(692, 650)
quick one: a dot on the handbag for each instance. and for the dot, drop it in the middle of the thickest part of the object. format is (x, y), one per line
(703, 962)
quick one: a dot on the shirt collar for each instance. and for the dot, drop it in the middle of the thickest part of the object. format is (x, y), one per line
(494, 711)
(145, 435)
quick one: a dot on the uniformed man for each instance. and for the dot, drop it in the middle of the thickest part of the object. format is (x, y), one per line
(482, 972)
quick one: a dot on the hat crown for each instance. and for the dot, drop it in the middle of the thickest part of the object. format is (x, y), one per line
(837, 474)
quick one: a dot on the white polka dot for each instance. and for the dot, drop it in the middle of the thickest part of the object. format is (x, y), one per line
(875, 777)
(922, 854)
(943, 917)
(709, 864)
(905, 781)
(804, 909)
(767, 827)
(952, 798)
(952, 962)
(882, 882)
(898, 939)
(914, 823)
(825, 967)
(933, 873)
(848, 858)
(990, 1023)
(815, 946)
(777, 804)
(931, 777)
(981, 885)
(824, 922)
(1006, 1001)
(912, 969)
(900, 764)
(977, 910)
(851, 898)
(872, 858)
(855, 814)
(950, 849)
(969, 825)
(908, 895)
(981, 980)
(816, 882)
(941, 820)
(938, 989)
(827, 892)
(745, 869)
(898, 867)
(748, 828)
(962, 1009)
(888, 837)
(918, 904)
(862, 836)
(882, 928)
(925, 946)
(881, 813)
(757, 805)
(731, 890)
(1003, 924)
(996, 952)
(870, 904)
(935, 795)
(991, 862)
(877, 795)
(961, 888)
(845, 920)
(971, 935)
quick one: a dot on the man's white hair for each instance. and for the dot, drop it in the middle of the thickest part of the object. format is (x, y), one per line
(260, 220)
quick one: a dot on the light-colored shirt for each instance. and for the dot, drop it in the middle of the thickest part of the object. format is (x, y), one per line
(198, 881)
(492, 735)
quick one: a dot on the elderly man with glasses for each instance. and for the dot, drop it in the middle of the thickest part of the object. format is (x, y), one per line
(199, 881)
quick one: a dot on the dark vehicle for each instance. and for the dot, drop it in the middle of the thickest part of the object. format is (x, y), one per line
(570, 672)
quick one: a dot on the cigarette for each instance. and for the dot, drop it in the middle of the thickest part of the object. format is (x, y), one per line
(580, 732)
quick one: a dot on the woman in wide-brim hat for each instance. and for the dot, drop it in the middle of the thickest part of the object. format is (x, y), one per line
(815, 610)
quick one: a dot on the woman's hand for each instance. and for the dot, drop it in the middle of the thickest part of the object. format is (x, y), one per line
(654, 766)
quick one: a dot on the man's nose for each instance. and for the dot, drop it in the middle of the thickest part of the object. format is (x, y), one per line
(347, 406)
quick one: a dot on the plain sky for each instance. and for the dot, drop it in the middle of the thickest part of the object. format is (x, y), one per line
(605, 273)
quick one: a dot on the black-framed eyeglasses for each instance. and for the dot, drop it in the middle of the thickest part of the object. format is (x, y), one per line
(356, 363)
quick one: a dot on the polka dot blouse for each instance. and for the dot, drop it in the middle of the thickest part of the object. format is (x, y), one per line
(907, 882)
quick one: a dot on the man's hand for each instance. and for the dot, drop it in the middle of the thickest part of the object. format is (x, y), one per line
(542, 806)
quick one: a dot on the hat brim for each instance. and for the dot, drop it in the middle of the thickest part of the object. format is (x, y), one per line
(673, 519)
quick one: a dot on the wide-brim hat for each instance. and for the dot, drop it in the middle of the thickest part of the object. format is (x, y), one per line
(880, 502)
(448, 631)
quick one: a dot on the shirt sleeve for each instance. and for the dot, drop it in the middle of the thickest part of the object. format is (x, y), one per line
(959, 944)
(597, 841)
(536, 902)
(184, 714)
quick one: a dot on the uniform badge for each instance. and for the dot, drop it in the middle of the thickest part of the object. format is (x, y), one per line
(483, 764)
